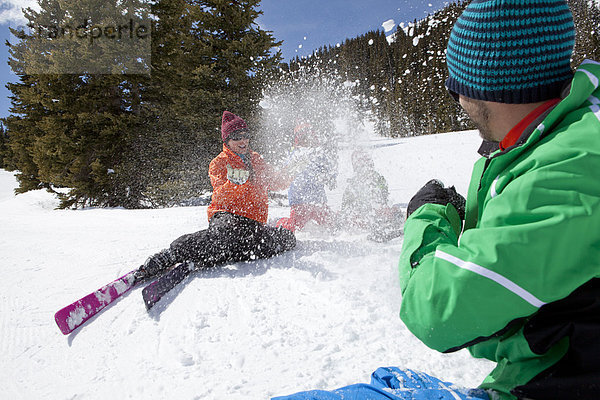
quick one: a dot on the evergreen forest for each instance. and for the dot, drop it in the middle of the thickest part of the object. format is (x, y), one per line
(100, 126)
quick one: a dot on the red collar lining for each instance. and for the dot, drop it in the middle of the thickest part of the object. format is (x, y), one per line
(515, 133)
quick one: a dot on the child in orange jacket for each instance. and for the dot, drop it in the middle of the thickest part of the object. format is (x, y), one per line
(238, 211)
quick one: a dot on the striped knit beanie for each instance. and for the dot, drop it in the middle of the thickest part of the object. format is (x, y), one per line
(511, 51)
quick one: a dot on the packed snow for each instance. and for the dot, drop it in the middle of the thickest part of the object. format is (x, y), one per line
(322, 316)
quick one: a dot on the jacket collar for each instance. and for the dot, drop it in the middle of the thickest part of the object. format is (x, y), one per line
(246, 159)
(521, 131)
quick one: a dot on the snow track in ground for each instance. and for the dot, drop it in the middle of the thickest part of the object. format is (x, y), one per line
(322, 316)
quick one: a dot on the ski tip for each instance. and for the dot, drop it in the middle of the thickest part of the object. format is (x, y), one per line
(76, 314)
(149, 306)
(62, 323)
(150, 298)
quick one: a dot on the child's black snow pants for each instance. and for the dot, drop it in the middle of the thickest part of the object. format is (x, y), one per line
(228, 238)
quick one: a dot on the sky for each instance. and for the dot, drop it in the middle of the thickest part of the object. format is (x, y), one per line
(302, 25)
(307, 25)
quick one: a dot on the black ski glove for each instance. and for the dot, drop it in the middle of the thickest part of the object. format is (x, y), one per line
(435, 192)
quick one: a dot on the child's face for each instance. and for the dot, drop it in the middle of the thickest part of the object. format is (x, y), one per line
(240, 146)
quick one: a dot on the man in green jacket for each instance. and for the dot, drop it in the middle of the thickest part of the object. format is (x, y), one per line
(513, 275)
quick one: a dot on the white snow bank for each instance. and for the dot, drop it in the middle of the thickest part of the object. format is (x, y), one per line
(322, 316)
(8, 184)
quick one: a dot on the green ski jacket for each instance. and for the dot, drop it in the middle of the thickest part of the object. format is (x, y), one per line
(518, 282)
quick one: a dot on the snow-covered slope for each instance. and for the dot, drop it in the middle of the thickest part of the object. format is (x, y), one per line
(322, 316)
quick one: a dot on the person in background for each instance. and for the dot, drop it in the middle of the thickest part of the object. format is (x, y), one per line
(365, 202)
(512, 275)
(313, 166)
(238, 211)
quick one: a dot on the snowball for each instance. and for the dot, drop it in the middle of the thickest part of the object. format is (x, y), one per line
(389, 25)
(264, 104)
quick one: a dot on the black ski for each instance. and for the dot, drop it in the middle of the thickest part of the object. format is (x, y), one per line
(157, 289)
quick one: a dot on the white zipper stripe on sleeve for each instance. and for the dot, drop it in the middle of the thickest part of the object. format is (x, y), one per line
(596, 110)
(588, 61)
(494, 276)
(591, 76)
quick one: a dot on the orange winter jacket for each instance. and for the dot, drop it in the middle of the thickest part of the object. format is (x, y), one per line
(249, 199)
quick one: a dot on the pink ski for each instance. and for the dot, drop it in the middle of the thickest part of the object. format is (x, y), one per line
(74, 315)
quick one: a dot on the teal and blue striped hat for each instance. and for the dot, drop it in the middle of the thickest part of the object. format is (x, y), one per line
(511, 51)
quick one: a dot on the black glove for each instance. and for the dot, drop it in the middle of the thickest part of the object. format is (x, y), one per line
(435, 192)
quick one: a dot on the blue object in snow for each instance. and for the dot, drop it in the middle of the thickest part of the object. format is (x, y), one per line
(392, 383)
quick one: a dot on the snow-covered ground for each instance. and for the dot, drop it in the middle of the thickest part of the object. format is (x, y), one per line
(322, 316)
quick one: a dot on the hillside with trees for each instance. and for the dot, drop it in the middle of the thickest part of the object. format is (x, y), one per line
(139, 128)
(398, 80)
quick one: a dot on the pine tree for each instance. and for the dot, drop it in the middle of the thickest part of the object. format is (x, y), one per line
(207, 57)
(27, 111)
(70, 117)
(138, 127)
(4, 155)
